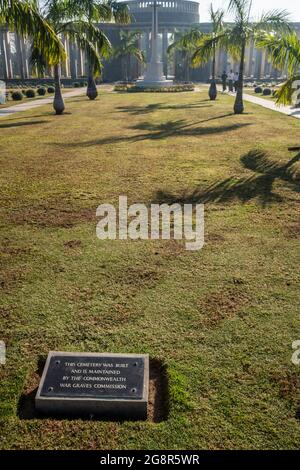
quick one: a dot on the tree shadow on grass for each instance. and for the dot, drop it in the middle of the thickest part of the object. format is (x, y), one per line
(179, 128)
(243, 189)
(20, 124)
(136, 110)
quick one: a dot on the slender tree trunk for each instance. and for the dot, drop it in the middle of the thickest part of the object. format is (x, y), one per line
(239, 102)
(126, 67)
(58, 102)
(91, 91)
(187, 66)
(213, 87)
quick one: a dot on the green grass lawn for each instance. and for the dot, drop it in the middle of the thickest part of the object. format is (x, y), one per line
(219, 322)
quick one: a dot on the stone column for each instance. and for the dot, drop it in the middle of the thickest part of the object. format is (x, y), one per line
(148, 45)
(258, 63)
(8, 71)
(263, 63)
(19, 53)
(73, 60)
(65, 64)
(80, 62)
(164, 51)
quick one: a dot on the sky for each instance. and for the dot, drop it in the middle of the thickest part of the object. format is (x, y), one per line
(293, 6)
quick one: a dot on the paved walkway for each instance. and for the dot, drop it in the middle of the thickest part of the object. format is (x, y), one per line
(270, 104)
(4, 112)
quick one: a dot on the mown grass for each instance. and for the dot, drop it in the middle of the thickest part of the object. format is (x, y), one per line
(221, 320)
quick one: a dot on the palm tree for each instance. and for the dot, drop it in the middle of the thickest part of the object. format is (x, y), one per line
(237, 37)
(128, 48)
(25, 18)
(285, 53)
(184, 42)
(192, 42)
(95, 11)
(62, 15)
(217, 27)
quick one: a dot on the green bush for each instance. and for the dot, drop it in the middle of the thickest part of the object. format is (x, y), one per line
(30, 93)
(172, 89)
(17, 96)
(41, 91)
(267, 92)
(76, 85)
(258, 89)
(51, 89)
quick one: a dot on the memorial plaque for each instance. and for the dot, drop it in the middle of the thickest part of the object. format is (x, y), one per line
(99, 384)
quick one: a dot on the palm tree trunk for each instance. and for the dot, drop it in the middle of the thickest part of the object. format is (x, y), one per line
(213, 87)
(58, 102)
(91, 91)
(239, 103)
(126, 68)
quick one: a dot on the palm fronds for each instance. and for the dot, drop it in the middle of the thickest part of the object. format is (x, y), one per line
(24, 18)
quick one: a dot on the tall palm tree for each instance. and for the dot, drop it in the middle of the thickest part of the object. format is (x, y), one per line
(193, 41)
(185, 43)
(217, 27)
(244, 31)
(62, 15)
(285, 53)
(128, 48)
(96, 11)
(25, 18)
(237, 37)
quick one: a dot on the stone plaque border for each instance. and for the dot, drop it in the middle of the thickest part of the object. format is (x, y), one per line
(98, 406)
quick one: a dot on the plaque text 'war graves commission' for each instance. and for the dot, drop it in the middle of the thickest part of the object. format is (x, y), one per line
(86, 383)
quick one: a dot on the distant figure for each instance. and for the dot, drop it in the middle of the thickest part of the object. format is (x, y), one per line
(224, 81)
(231, 80)
(236, 81)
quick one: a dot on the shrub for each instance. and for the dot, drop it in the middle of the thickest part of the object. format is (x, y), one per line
(76, 85)
(258, 89)
(30, 93)
(51, 89)
(172, 89)
(274, 93)
(17, 96)
(41, 91)
(267, 92)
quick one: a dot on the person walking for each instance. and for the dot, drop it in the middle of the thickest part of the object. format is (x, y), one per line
(224, 81)
(231, 80)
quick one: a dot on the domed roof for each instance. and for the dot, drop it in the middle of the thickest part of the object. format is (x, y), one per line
(170, 13)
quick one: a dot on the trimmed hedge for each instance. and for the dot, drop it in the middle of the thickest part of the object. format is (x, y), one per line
(258, 89)
(50, 89)
(30, 93)
(17, 96)
(171, 89)
(41, 91)
(267, 92)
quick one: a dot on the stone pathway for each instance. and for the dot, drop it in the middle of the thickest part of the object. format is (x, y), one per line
(269, 104)
(4, 112)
